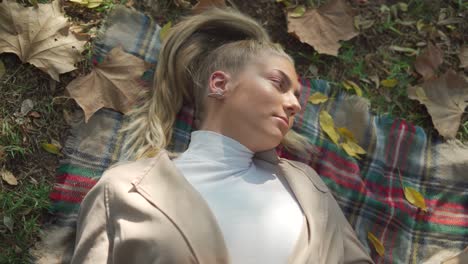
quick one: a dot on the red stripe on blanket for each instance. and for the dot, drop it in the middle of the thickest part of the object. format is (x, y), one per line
(67, 177)
(60, 194)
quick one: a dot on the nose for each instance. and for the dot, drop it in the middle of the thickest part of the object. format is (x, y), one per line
(291, 104)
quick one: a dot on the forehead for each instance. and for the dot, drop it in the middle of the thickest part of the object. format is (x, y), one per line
(274, 62)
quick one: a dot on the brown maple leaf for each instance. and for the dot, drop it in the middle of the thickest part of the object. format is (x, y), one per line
(39, 36)
(429, 61)
(203, 5)
(445, 98)
(112, 83)
(324, 27)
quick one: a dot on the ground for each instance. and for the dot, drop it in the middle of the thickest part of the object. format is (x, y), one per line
(23, 206)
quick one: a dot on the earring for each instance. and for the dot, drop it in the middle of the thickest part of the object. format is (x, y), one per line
(218, 94)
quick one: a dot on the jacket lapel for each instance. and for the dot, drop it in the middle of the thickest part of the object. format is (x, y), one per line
(167, 189)
(309, 191)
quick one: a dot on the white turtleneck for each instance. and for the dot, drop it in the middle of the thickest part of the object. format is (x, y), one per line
(259, 218)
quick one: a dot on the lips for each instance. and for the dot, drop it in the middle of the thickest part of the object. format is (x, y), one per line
(285, 120)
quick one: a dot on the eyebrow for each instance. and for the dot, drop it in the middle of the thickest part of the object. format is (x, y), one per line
(288, 80)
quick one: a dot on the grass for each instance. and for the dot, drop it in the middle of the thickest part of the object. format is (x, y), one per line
(23, 207)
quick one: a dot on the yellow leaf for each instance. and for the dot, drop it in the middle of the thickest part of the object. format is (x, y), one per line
(376, 243)
(81, 2)
(353, 149)
(317, 98)
(420, 24)
(389, 83)
(165, 30)
(415, 198)
(298, 11)
(328, 126)
(350, 85)
(51, 148)
(346, 133)
(8, 177)
(94, 3)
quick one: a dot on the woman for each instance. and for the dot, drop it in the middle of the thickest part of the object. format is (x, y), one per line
(228, 198)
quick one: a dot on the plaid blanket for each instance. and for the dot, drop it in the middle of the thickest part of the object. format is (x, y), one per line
(368, 190)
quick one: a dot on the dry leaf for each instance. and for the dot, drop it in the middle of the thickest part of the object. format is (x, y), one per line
(427, 63)
(8, 222)
(318, 98)
(26, 107)
(8, 177)
(112, 83)
(328, 126)
(165, 30)
(376, 243)
(203, 5)
(36, 36)
(183, 3)
(350, 85)
(446, 100)
(324, 27)
(463, 56)
(421, 94)
(51, 148)
(415, 198)
(406, 50)
(2, 69)
(389, 83)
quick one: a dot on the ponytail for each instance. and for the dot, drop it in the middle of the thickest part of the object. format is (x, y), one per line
(198, 45)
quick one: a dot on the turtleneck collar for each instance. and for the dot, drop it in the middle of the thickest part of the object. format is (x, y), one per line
(211, 146)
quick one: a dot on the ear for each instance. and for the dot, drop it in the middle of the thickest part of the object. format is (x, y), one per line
(218, 81)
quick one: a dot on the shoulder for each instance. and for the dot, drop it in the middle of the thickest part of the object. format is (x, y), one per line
(291, 166)
(122, 174)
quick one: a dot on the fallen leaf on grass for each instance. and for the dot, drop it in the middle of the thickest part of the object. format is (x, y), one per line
(379, 248)
(298, 11)
(389, 83)
(88, 3)
(324, 27)
(2, 69)
(317, 98)
(427, 63)
(26, 107)
(8, 222)
(463, 56)
(350, 85)
(203, 5)
(328, 126)
(8, 177)
(112, 83)
(445, 99)
(36, 36)
(51, 148)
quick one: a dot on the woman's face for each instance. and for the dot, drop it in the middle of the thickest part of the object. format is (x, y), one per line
(260, 103)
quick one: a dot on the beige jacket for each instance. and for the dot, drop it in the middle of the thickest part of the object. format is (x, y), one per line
(147, 212)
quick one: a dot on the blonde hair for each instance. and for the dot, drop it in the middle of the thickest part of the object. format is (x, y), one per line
(216, 39)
